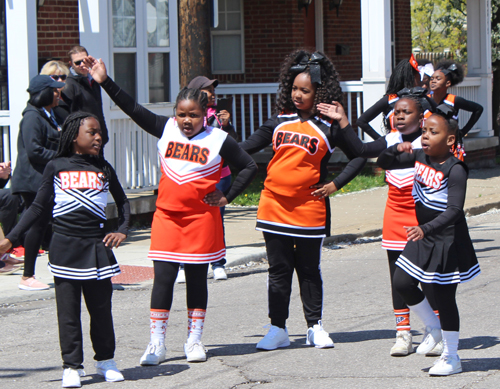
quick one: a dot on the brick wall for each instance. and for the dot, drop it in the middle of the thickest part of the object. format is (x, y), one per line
(57, 29)
(402, 28)
(344, 31)
(274, 28)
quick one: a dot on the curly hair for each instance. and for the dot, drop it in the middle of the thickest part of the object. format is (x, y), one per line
(403, 76)
(454, 76)
(329, 90)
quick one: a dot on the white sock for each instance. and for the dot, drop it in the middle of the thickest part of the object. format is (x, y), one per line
(426, 314)
(158, 324)
(450, 342)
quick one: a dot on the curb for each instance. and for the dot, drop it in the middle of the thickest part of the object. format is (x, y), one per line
(343, 238)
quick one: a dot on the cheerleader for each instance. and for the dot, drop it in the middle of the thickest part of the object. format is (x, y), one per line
(439, 250)
(187, 226)
(405, 75)
(294, 212)
(80, 256)
(447, 74)
(408, 116)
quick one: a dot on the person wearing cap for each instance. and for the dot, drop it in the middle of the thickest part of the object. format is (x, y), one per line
(221, 120)
(81, 92)
(37, 144)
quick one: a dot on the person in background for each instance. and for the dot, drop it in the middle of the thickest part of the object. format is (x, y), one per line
(81, 93)
(37, 144)
(58, 71)
(9, 205)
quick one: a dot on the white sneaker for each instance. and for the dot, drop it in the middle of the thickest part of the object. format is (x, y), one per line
(108, 369)
(276, 337)
(220, 273)
(318, 337)
(195, 352)
(404, 344)
(436, 351)
(446, 365)
(181, 277)
(155, 354)
(432, 336)
(71, 378)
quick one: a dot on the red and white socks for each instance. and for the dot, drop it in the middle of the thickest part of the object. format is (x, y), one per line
(402, 319)
(158, 325)
(196, 321)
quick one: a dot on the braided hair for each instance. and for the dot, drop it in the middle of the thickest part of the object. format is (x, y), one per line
(403, 76)
(449, 115)
(194, 95)
(327, 91)
(455, 76)
(69, 133)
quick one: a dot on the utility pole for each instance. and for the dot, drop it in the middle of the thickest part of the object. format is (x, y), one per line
(194, 39)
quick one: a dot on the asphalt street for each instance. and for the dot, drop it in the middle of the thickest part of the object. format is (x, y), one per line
(357, 314)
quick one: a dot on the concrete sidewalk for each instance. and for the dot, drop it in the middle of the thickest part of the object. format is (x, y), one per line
(355, 215)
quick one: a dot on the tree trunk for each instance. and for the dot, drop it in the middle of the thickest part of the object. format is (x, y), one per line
(194, 39)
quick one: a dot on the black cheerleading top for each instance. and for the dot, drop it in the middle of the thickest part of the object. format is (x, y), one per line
(383, 106)
(80, 190)
(459, 103)
(438, 189)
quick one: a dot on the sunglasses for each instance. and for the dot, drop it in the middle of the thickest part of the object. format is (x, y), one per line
(78, 63)
(61, 77)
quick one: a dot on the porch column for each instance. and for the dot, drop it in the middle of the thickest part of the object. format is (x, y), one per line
(94, 36)
(376, 52)
(479, 59)
(22, 61)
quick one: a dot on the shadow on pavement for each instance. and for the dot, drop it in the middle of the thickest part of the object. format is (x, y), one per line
(478, 343)
(17, 373)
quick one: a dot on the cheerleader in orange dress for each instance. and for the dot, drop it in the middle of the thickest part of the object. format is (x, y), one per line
(187, 226)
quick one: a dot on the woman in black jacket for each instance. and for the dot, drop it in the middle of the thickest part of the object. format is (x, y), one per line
(37, 144)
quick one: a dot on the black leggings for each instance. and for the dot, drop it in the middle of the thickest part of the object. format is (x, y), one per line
(445, 296)
(397, 301)
(34, 236)
(163, 286)
(286, 254)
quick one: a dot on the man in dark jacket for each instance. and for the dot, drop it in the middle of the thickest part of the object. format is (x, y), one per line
(81, 93)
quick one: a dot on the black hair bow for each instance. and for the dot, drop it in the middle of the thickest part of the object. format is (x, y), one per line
(449, 69)
(421, 94)
(446, 111)
(314, 63)
(417, 92)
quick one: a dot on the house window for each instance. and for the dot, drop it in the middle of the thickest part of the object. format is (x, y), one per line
(143, 53)
(227, 37)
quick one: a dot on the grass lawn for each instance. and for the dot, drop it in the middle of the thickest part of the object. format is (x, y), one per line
(365, 180)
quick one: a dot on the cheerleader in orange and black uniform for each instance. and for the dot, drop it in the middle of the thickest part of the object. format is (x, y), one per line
(294, 212)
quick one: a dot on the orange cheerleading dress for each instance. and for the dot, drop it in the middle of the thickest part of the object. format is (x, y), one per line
(400, 206)
(185, 229)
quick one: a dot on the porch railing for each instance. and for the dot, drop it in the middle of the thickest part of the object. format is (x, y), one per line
(133, 152)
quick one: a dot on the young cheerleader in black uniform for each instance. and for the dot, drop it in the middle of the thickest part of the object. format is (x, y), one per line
(447, 74)
(80, 256)
(439, 250)
(400, 208)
